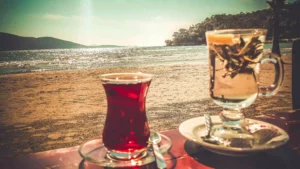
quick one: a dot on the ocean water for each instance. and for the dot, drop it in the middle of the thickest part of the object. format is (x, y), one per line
(24, 61)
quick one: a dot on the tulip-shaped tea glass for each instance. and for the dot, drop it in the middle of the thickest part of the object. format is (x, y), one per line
(126, 130)
(125, 137)
(235, 57)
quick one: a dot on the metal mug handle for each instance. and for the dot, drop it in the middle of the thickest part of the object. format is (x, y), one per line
(279, 70)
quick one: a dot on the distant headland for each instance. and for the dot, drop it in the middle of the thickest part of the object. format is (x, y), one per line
(14, 42)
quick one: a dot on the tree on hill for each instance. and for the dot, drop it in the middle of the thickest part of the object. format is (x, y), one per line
(289, 25)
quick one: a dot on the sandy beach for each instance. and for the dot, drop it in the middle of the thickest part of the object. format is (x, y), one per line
(49, 110)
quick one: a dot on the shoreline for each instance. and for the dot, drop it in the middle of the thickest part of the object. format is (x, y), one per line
(55, 109)
(134, 66)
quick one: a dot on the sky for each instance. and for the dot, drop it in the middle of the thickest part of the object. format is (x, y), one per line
(113, 22)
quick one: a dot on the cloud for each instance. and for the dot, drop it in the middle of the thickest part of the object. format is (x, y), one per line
(158, 23)
(157, 18)
(72, 17)
(54, 17)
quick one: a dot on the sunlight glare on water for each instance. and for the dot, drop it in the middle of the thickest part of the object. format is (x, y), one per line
(93, 58)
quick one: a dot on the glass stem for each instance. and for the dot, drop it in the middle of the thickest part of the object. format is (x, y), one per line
(232, 118)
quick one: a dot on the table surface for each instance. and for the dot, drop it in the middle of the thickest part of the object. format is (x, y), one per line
(183, 154)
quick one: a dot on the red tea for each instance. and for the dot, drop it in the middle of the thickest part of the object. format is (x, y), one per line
(126, 128)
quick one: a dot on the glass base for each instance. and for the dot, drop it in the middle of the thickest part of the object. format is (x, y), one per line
(232, 132)
(232, 136)
(95, 152)
(242, 134)
(114, 155)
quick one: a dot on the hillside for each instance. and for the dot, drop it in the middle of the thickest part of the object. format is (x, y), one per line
(14, 42)
(195, 34)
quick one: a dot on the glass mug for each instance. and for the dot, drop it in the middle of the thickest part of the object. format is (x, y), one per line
(235, 57)
(126, 130)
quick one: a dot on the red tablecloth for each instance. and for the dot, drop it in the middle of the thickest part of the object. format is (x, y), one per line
(183, 154)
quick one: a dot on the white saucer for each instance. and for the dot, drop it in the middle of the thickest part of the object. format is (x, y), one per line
(194, 128)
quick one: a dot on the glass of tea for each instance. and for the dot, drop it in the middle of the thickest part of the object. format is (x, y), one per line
(235, 58)
(126, 130)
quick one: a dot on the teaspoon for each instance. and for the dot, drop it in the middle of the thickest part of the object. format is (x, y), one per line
(154, 140)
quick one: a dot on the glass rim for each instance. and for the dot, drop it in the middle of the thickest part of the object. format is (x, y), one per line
(138, 77)
(236, 31)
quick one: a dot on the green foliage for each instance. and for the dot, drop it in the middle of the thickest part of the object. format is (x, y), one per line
(289, 25)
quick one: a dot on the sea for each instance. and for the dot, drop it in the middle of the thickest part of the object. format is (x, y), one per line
(25, 61)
